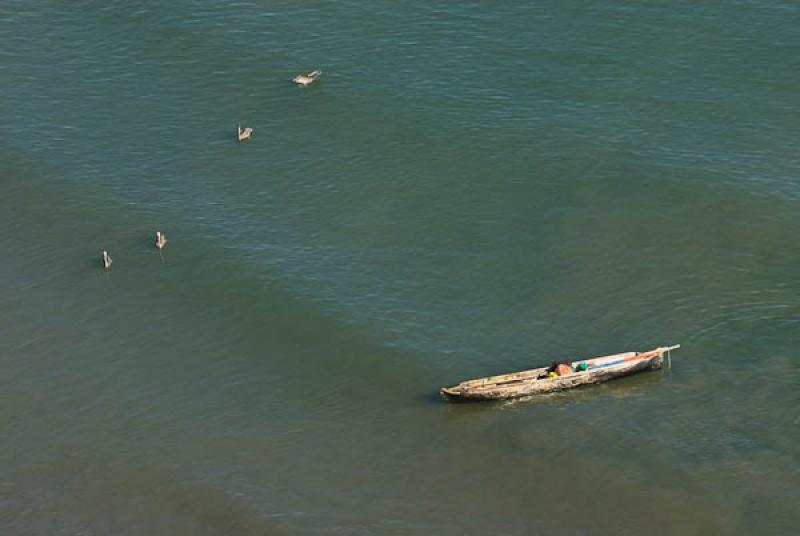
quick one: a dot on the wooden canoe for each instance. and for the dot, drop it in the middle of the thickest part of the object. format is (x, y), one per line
(536, 381)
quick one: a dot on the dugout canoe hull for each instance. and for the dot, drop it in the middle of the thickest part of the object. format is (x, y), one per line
(535, 381)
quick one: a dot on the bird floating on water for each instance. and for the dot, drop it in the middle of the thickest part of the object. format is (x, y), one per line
(306, 79)
(105, 260)
(243, 133)
(161, 240)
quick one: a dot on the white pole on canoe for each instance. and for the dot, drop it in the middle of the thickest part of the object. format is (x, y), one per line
(669, 350)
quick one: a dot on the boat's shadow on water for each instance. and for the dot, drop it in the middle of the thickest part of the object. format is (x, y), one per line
(628, 386)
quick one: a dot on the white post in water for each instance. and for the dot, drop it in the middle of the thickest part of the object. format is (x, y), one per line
(668, 350)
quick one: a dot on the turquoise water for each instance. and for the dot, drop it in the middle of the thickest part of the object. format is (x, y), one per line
(471, 188)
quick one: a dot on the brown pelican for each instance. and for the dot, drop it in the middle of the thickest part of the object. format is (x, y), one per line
(306, 79)
(105, 260)
(243, 133)
(161, 240)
